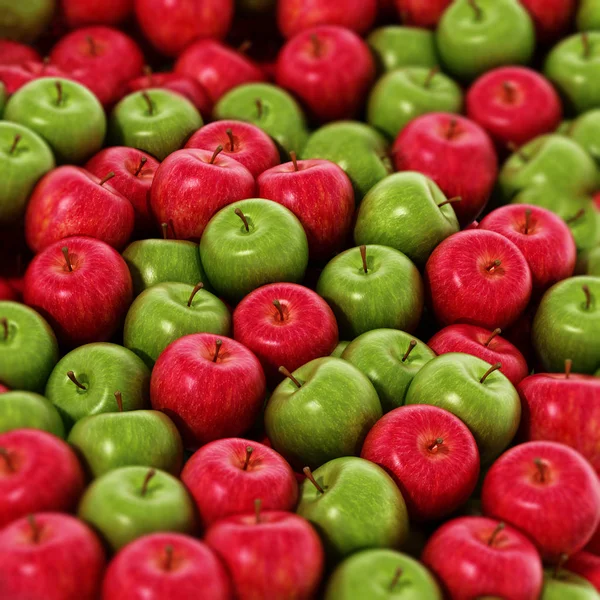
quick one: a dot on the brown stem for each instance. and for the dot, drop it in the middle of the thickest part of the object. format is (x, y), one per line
(495, 533)
(476, 9)
(36, 530)
(72, 377)
(231, 139)
(588, 296)
(294, 159)
(568, 366)
(285, 372)
(143, 161)
(92, 45)
(527, 221)
(165, 230)
(257, 507)
(241, 215)
(149, 475)
(106, 178)
(518, 151)
(435, 445)
(168, 562)
(244, 46)
(494, 333)
(312, 479)
(6, 456)
(15, 143)
(249, 451)
(576, 216)
(493, 266)
(279, 308)
(59, 92)
(119, 399)
(148, 100)
(395, 579)
(65, 252)
(541, 467)
(259, 107)
(562, 559)
(411, 346)
(509, 91)
(317, 46)
(493, 368)
(218, 344)
(363, 255)
(451, 129)
(585, 42)
(4, 323)
(432, 73)
(454, 200)
(149, 74)
(216, 153)
(196, 289)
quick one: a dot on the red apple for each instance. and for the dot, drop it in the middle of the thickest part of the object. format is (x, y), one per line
(585, 565)
(478, 277)
(211, 386)
(552, 18)
(483, 343)
(294, 16)
(15, 53)
(16, 76)
(285, 324)
(3, 389)
(320, 194)
(38, 473)
(191, 185)
(330, 69)
(456, 153)
(549, 492)
(50, 556)
(217, 67)
(421, 13)
(593, 545)
(82, 286)
(514, 105)
(274, 555)
(71, 201)
(245, 142)
(7, 292)
(134, 171)
(166, 566)
(171, 25)
(475, 557)
(226, 476)
(95, 12)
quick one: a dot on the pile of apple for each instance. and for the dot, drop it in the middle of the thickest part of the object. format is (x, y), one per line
(299, 299)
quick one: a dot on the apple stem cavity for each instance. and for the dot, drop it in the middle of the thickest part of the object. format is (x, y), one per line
(363, 255)
(15, 143)
(435, 445)
(65, 252)
(576, 216)
(119, 399)
(395, 579)
(287, 374)
(249, 451)
(494, 333)
(493, 368)
(259, 107)
(411, 347)
(493, 266)
(149, 475)
(168, 562)
(495, 533)
(148, 100)
(218, 344)
(231, 139)
(312, 479)
(106, 178)
(143, 161)
(527, 221)
(59, 93)
(587, 46)
(317, 46)
(36, 530)
(429, 79)
(165, 230)
(451, 132)
(92, 45)
(196, 289)
(509, 91)
(541, 467)
(454, 200)
(6, 456)
(279, 308)
(588, 296)
(476, 9)
(294, 160)
(241, 215)
(72, 377)
(257, 507)
(4, 323)
(568, 365)
(216, 153)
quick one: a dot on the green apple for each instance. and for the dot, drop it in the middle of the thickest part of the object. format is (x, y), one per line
(390, 359)
(145, 438)
(323, 411)
(475, 36)
(19, 410)
(382, 575)
(25, 21)
(251, 243)
(588, 15)
(404, 94)
(564, 585)
(585, 130)
(358, 149)
(28, 347)
(339, 349)
(354, 505)
(65, 113)
(567, 325)
(127, 503)
(268, 107)
(156, 121)
(25, 157)
(406, 211)
(395, 47)
(372, 287)
(85, 380)
(477, 393)
(168, 311)
(573, 66)
(3, 96)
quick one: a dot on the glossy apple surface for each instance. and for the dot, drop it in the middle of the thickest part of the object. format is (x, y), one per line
(20, 409)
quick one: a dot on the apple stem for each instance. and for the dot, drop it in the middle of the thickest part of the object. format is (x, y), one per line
(15, 144)
(244, 46)
(279, 308)
(476, 9)
(509, 91)
(454, 200)
(65, 252)
(562, 559)
(435, 445)
(92, 45)
(527, 221)
(312, 479)
(432, 73)
(568, 365)
(587, 47)
(249, 451)
(106, 178)
(411, 347)
(35, 528)
(165, 230)
(493, 266)
(285, 372)
(576, 216)
(149, 74)
(241, 215)
(257, 507)
(363, 255)
(119, 399)
(196, 289)
(494, 333)
(218, 344)
(6, 456)
(495, 533)
(231, 139)
(294, 159)
(4, 323)
(516, 150)
(588, 296)
(72, 377)
(148, 100)
(395, 579)
(451, 132)
(216, 153)
(168, 562)
(317, 47)
(149, 475)
(493, 368)
(541, 467)
(59, 92)
(143, 161)
(259, 107)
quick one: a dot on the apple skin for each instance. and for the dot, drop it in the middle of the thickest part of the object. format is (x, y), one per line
(379, 355)
(171, 26)
(252, 147)
(305, 424)
(29, 353)
(588, 16)
(471, 339)
(339, 349)
(222, 487)
(15, 53)
(190, 187)
(19, 410)
(567, 586)
(389, 295)
(552, 18)
(25, 22)
(320, 194)
(39, 472)
(307, 331)
(65, 545)
(96, 12)
(87, 304)
(456, 153)
(509, 568)
(15, 76)
(593, 545)
(278, 557)
(7, 291)
(584, 130)
(74, 127)
(563, 483)
(70, 201)
(421, 14)
(585, 565)
(166, 566)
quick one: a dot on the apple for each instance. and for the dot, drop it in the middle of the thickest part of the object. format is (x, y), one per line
(585, 565)
(339, 349)
(28, 347)
(417, 13)
(15, 76)
(24, 22)
(20, 410)
(455, 153)
(65, 113)
(560, 584)
(583, 130)
(38, 472)
(15, 53)
(7, 291)
(545, 479)
(593, 545)
(96, 12)
(552, 18)
(588, 15)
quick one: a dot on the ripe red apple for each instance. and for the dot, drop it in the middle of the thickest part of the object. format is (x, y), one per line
(273, 554)
(478, 277)
(475, 557)
(16, 76)
(166, 566)
(548, 491)
(456, 153)
(50, 556)
(38, 473)
(552, 18)
(95, 12)
(15, 53)
(285, 324)
(71, 201)
(585, 565)
(593, 545)
(330, 69)
(3, 389)
(7, 292)
(244, 142)
(211, 386)
(320, 194)
(82, 287)
(226, 476)
(483, 343)
(421, 13)
(514, 105)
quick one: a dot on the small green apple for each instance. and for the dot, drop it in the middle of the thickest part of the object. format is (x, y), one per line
(585, 130)
(19, 410)
(25, 21)
(588, 15)
(564, 585)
